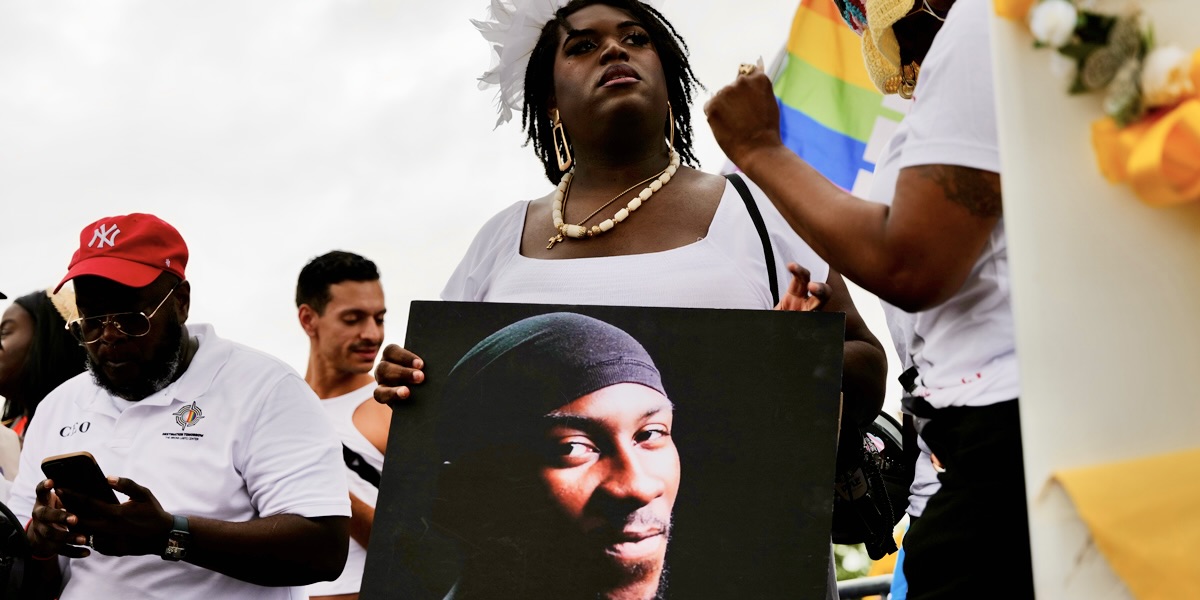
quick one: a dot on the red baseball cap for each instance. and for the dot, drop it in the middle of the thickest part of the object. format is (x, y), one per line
(131, 250)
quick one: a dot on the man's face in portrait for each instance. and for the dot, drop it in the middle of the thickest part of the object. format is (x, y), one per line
(611, 475)
(559, 470)
(579, 509)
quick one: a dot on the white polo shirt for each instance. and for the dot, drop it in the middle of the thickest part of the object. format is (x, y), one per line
(238, 436)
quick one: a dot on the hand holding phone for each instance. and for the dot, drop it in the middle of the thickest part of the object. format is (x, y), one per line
(79, 473)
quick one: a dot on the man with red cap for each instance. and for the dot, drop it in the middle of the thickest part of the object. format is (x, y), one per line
(228, 471)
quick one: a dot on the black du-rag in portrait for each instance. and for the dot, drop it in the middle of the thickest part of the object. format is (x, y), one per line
(529, 368)
(755, 397)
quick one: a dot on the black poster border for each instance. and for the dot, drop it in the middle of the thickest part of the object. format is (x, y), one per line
(756, 396)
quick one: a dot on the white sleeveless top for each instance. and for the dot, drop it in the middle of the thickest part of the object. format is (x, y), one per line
(724, 269)
(341, 413)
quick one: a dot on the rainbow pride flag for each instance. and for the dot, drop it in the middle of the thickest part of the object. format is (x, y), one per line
(830, 112)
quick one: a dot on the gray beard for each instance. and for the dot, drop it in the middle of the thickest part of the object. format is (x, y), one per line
(160, 371)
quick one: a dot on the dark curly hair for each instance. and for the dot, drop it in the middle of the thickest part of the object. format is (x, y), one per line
(312, 287)
(539, 80)
(53, 357)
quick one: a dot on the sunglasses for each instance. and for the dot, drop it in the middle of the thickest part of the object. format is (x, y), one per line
(88, 330)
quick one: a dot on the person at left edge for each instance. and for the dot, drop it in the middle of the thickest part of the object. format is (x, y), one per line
(38, 353)
(230, 474)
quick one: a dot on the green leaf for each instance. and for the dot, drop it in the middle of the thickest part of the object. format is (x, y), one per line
(1095, 27)
(1078, 50)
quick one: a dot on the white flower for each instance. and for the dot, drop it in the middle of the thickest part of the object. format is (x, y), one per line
(513, 28)
(1053, 22)
(1165, 77)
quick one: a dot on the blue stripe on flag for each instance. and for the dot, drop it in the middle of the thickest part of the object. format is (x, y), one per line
(837, 156)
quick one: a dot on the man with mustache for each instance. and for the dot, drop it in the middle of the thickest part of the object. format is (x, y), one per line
(558, 471)
(340, 303)
(229, 472)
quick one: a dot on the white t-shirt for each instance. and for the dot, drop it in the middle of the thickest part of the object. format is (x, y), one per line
(963, 349)
(238, 436)
(724, 269)
(341, 414)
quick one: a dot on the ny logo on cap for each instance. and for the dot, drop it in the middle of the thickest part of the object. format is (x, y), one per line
(105, 236)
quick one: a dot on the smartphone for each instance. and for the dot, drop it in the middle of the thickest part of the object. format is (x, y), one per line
(79, 473)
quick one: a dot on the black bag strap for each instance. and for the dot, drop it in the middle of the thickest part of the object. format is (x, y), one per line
(761, 226)
(355, 462)
(908, 380)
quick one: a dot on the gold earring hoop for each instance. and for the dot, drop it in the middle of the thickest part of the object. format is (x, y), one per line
(560, 142)
(904, 82)
(670, 128)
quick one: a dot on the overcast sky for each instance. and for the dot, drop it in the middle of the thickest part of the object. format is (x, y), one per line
(272, 131)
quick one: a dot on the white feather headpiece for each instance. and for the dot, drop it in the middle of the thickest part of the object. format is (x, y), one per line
(513, 28)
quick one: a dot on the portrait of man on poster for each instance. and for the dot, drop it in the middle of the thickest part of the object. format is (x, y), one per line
(558, 467)
(567, 451)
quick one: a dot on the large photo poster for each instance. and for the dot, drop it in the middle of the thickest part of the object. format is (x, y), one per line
(579, 451)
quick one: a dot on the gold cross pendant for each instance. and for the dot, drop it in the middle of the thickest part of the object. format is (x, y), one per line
(554, 240)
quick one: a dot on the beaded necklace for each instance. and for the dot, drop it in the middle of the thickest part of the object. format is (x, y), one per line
(578, 231)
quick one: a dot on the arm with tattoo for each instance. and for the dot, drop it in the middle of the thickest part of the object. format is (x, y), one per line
(914, 254)
(975, 190)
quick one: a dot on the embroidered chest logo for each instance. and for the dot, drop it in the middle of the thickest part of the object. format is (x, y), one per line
(74, 428)
(104, 235)
(188, 415)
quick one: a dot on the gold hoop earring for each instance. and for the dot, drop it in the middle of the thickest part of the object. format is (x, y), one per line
(904, 82)
(560, 142)
(670, 128)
